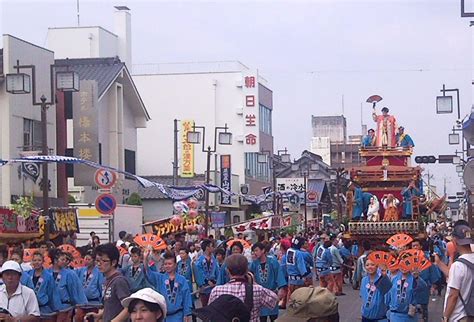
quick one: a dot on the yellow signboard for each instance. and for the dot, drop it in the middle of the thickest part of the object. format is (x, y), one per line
(187, 150)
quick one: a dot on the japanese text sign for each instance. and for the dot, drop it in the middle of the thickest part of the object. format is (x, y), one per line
(187, 150)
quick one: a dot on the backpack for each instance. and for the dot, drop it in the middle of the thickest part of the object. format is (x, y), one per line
(469, 302)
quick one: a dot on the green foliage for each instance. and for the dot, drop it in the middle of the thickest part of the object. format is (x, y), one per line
(134, 199)
(71, 199)
(23, 206)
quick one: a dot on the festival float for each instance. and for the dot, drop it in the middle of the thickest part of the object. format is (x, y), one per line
(386, 196)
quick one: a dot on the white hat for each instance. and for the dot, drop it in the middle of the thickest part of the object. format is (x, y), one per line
(11, 266)
(146, 295)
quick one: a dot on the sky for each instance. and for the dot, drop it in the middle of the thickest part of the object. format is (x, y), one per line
(320, 57)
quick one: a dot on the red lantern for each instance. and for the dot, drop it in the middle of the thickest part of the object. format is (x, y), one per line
(193, 213)
(190, 229)
(176, 220)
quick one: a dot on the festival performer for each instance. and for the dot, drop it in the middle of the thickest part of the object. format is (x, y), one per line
(403, 139)
(42, 283)
(268, 273)
(430, 275)
(373, 288)
(369, 139)
(373, 209)
(296, 265)
(175, 289)
(206, 271)
(224, 277)
(390, 204)
(92, 280)
(283, 293)
(337, 262)
(185, 267)
(135, 273)
(220, 256)
(409, 193)
(358, 202)
(386, 128)
(366, 200)
(323, 260)
(402, 297)
(69, 287)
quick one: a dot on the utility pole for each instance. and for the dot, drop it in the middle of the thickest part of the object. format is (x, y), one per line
(175, 159)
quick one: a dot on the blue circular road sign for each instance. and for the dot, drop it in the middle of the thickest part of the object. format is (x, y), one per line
(105, 203)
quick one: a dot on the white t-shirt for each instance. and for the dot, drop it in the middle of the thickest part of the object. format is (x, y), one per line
(23, 301)
(460, 278)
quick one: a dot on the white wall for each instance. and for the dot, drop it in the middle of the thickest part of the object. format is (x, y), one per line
(210, 99)
(156, 209)
(82, 42)
(16, 107)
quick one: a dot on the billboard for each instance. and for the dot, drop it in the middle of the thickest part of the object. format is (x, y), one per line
(187, 150)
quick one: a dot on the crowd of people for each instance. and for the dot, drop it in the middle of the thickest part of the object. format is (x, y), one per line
(233, 278)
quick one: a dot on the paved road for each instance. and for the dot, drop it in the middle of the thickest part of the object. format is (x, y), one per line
(349, 306)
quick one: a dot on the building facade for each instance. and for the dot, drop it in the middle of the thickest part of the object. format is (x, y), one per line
(20, 123)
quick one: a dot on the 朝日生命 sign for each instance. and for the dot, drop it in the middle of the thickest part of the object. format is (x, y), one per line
(251, 111)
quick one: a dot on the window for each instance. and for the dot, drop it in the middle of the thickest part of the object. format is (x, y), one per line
(130, 161)
(69, 166)
(265, 120)
(32, 137)
(254, 169)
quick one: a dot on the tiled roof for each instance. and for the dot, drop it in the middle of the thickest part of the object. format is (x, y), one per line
(155, 193)
(103, 70)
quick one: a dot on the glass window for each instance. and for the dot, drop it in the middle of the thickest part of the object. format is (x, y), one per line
(254, 169)
(32, 138)
(265, 120)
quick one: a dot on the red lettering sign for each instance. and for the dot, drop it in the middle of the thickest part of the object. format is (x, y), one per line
(250, 100)
(250, 120)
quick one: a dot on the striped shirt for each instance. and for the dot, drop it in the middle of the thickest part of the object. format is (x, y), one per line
(262, 297)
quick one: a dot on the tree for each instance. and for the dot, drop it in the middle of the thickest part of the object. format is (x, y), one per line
(134, 199)
(71, 199)
(23, 206)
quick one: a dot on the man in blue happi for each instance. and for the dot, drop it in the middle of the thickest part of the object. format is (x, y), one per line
(92, 280)
(430, 275)
(409, 193)
(369, 139)
(358, 202)
(403, 139)
(268, 273)
(297, 265)
(224, 277)
(323, 259)
(174, 288)
(206, 271)
(402, 297)
(373, 288)
(71, 292)
(185, 266)
(42, 282)
(135, 273)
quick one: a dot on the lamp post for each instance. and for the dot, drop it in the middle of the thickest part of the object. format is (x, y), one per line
(19, 83)
(221, 136)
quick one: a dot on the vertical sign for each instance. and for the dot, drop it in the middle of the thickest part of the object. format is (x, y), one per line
(187, 150)
(218, 219)
(226, 177)
(251, 112)
(86, 129)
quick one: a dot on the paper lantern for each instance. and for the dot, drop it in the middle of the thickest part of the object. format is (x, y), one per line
(193, 213)
(193, 203)
(176, 220)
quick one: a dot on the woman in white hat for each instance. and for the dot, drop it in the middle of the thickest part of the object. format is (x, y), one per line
(146, 305)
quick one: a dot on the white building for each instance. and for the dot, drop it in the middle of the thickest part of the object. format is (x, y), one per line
(20, 129)
(210, 95)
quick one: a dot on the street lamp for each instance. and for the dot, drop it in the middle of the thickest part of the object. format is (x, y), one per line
(221, 136)
(444, 104)
(453, 138)
(19, 83)
(284, 155)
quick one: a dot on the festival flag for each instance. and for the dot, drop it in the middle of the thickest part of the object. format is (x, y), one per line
(150, 241)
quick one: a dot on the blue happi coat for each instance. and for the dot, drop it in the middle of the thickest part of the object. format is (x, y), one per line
(358, 207)
(92, 285)
(408, 195)
(205, 272)
(271, 277)
(177, 295)
(430, 275)
(45, 290)
(71, 292)
(223, 276)
(296, 266)
(136, 279)
(373, 297)
(403, 294)
(185, 268)
(323, 260)
(283, 268)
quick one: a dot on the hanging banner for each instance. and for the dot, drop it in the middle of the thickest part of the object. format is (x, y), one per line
(165, 227)
(64, 220)
(226, 179)
(218, 219)
(85, 131)
(31, 170)
(187, 150)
